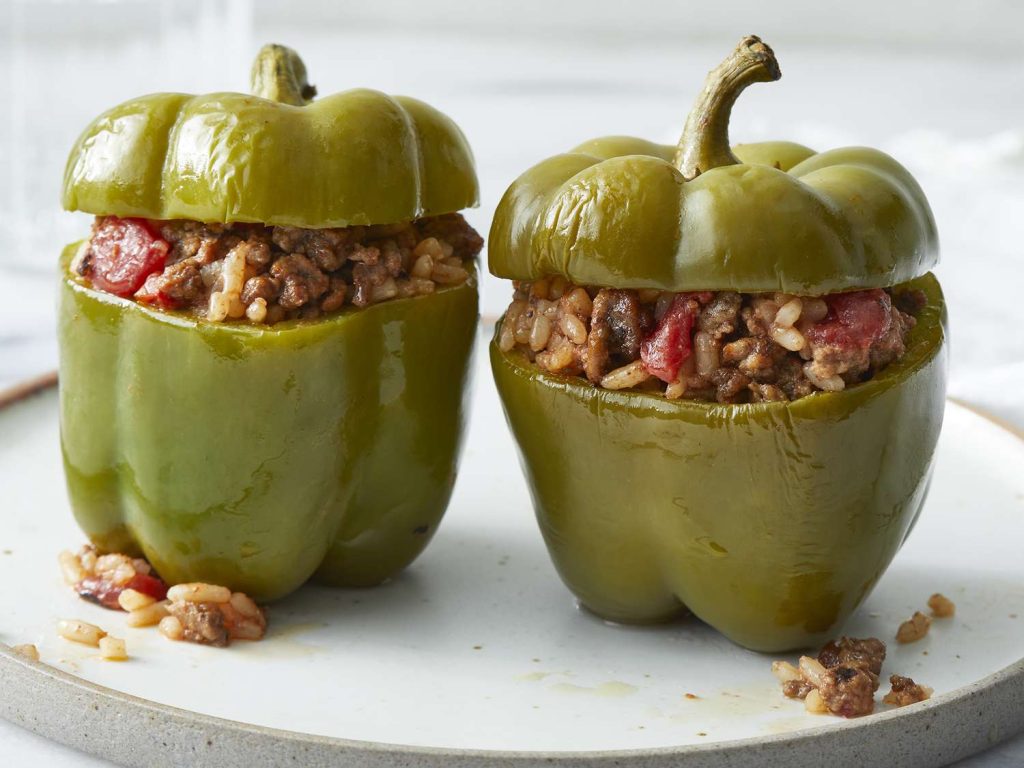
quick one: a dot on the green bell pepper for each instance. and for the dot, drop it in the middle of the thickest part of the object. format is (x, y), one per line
(773, 216)
(275, 158)
(258, 456)
(769, 521)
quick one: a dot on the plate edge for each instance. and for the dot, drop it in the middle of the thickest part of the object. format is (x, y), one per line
(133, 731)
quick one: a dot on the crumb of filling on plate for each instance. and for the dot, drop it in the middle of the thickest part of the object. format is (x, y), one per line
(913, 629)
(941, 606)
(207, 614)
(27, 650)
(905, 691)
(843, 678)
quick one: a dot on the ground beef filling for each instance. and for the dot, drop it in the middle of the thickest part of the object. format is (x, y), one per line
(268, 274)
(844, 677)
(841, 680)
(715, 346)
(905, 691)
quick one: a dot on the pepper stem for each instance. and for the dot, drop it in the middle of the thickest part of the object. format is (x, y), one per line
(278, 74)
(705, 140)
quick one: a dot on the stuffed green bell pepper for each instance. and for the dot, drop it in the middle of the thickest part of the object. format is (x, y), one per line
(724, 367)
(264, 343)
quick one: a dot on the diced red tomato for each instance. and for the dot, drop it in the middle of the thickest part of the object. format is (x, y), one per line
(665, 350)
(857, 319)
(106, 593)
(148, 585)
(123, 253)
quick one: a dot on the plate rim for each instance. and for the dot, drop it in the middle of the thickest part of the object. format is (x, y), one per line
(40, 688)
(22, 674)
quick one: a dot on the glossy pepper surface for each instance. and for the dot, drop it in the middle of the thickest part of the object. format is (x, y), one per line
(772, 216)
(258, 456)
(276, 158)
(769, 521)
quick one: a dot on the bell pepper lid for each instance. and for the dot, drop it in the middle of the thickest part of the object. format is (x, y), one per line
(624, 212)
(276, 157)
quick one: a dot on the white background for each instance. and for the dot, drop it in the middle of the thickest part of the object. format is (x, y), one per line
(939, 85)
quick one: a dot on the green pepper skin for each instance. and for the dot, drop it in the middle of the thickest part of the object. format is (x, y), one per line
(771, 522)
(357, 157)
(617, 212)
(254, 456)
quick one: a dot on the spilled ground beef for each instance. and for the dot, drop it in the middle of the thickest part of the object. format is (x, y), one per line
(715, 346)
(268, 274)
(843, 678)
(905, 691)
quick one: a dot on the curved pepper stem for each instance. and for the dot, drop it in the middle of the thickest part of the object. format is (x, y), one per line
(278, 74)
(705, 140)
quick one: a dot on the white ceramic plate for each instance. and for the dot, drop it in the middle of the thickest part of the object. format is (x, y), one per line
(480, 647)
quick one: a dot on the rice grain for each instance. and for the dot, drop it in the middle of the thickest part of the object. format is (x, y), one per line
(625, 377)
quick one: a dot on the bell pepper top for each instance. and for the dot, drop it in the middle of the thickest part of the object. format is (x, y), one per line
(623, 212)
(705, 141)
(278, 74)
(276, 157)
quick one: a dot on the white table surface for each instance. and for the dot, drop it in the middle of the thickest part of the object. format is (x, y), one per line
(940, 91)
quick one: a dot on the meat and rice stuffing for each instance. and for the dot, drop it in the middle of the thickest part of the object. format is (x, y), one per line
(841, 680)
(208, 614)
(714, 346)
(844, 677)
(269, 274)
(905, 691)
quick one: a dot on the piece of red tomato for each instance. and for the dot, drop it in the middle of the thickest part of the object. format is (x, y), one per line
(665, 350)
(106, 593)
(123, 253)
(148, 584)
(857, 319)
